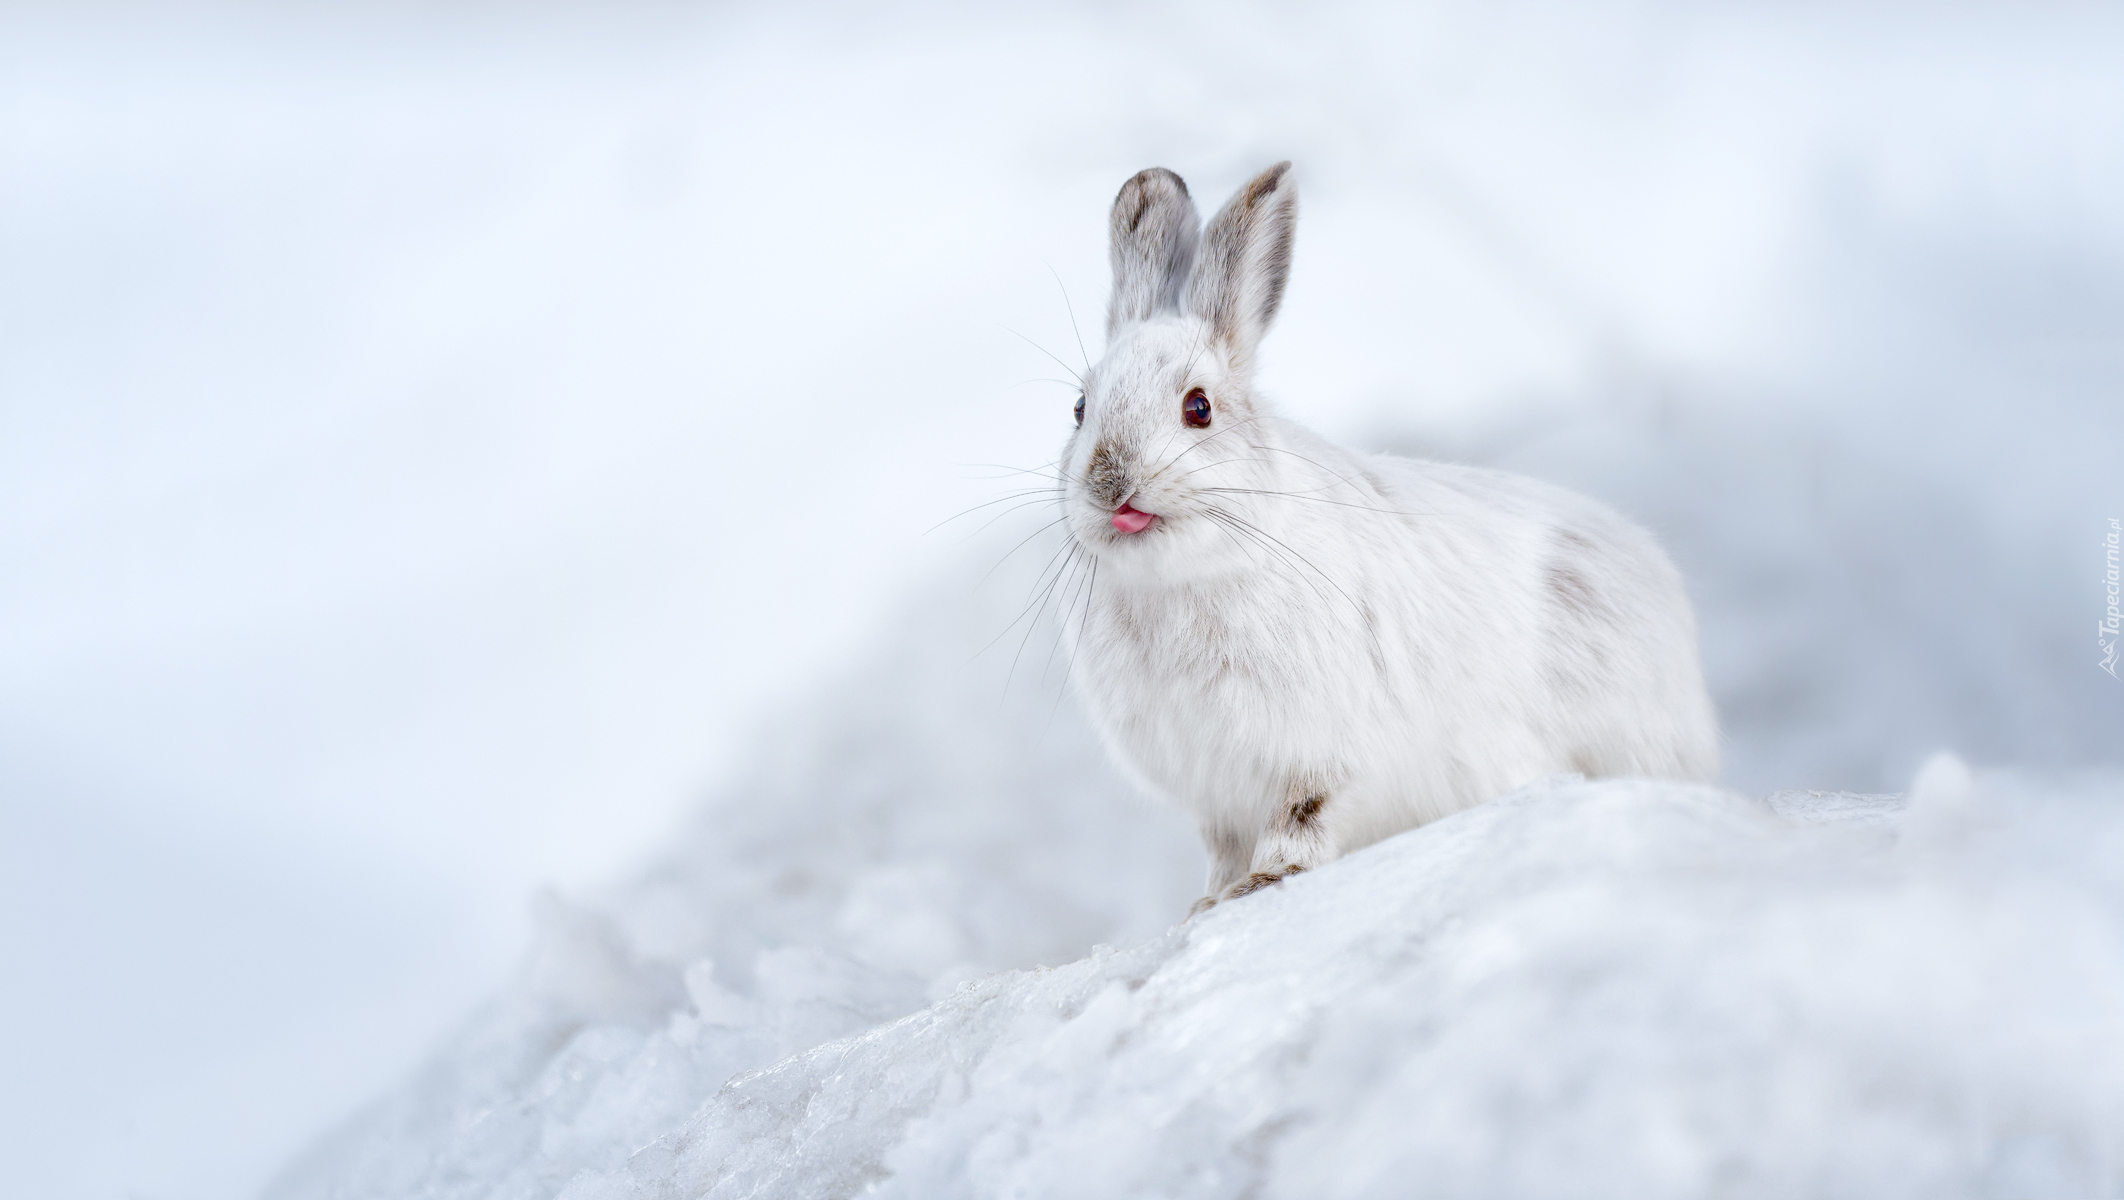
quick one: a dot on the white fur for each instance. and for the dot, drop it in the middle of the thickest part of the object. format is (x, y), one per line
(1399, 640)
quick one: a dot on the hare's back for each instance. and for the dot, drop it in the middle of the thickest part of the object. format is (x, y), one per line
(1525, 518)
(1609, 619)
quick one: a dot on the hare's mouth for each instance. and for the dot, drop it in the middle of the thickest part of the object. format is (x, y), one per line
(1130, 519)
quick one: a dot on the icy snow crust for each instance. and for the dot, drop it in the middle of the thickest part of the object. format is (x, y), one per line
(1611, 988)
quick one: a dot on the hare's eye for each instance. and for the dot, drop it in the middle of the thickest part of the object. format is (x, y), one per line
(1080, 410)
(1195, 410)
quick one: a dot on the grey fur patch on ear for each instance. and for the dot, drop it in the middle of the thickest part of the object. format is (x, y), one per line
(1154, 233)
(1246, 259)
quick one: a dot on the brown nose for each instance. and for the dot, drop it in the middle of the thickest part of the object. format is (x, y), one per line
(1105, 478)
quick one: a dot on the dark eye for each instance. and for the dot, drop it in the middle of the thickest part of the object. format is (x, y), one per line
(1080, 410)
(1195, 409)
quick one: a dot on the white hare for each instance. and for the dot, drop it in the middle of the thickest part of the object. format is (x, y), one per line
(1310, 649)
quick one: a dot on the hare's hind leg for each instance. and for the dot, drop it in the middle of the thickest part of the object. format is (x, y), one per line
(1296, 839)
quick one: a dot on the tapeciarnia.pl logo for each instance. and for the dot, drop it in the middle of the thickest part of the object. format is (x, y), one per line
(2106, 629)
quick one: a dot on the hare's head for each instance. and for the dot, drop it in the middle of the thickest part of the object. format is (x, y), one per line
(1167, 427)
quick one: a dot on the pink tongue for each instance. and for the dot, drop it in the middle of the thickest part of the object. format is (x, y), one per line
(1128, 520)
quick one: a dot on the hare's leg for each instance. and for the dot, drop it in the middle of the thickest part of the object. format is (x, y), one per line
(1231, 853)
(1296, 840)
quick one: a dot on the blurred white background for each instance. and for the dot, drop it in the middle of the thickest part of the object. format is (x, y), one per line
(433, 438)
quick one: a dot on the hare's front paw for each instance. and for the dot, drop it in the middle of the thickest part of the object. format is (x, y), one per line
(1251, 883)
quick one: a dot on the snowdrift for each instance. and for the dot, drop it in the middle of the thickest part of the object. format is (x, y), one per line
(1586, 989)
(1617, 988)
(927, 947)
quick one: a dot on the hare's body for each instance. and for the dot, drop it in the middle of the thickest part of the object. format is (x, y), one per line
(1450, 634)
(1309, 649)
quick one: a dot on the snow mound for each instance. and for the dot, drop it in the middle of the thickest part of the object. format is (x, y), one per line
(1615, 988)
(830, 984)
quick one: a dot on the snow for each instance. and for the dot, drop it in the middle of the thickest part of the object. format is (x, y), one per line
(928, 946)
(1611, 988)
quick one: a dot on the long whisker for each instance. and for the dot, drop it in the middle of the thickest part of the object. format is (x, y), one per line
(1070, 672)
(1363, 615)
(1187, 373)
(1222, 430)
(1223, 527)
(1201, 344)
(1235, 528)
(1296, 495)
(1044, 350)
(1205, 466)
(1242, 533)
(1068, 610)
(1046, 595)
(1232, 428)
(983, 527)
(1020, 546)
(1228, 429)
(1279, 491)
(1085, 625)
(1358, 608)
(978, 507)
(1041, 471)
(1072, 317)
(1316, 500)
(1049, 567)
(1303, 458)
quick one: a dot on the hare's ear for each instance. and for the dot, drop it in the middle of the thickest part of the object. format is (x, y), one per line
(1246, 257)
(1154, 231)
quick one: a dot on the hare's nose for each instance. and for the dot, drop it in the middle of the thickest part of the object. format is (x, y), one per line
(1107, 476)
(1129, 519)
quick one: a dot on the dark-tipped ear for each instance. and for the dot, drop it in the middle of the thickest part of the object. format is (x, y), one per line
(1154, 232)
(1245, 259)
